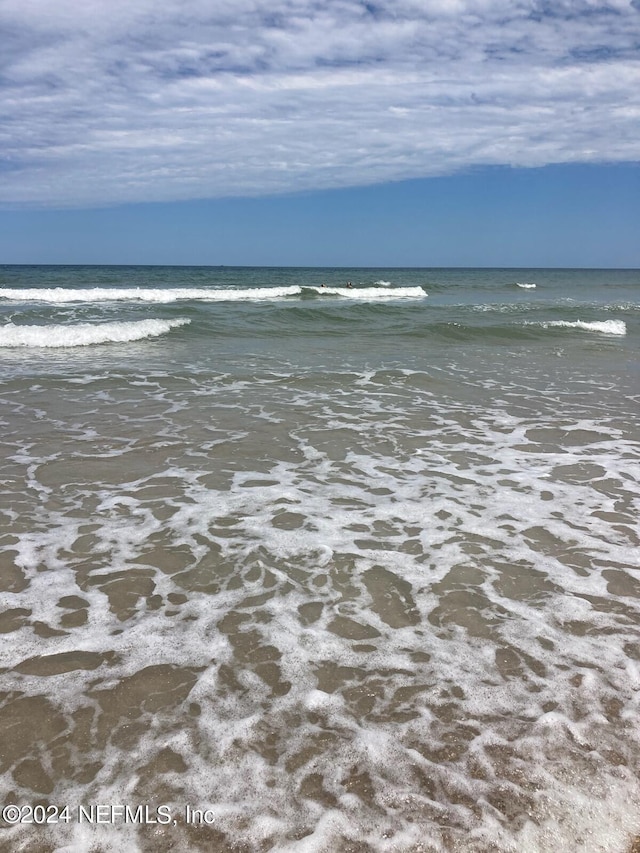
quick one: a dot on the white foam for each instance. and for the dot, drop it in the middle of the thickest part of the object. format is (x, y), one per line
(85, 334)
(63, 295)
(525, 285)
(371, 294)
(382, 283)
(462, 504)
(605, 327)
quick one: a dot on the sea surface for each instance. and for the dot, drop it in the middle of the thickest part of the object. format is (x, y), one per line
(340, 569)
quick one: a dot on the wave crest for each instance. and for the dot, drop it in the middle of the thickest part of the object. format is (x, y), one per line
(166, 295)
(63, 295)
(371, 294)
(605, 327)
(85, 334)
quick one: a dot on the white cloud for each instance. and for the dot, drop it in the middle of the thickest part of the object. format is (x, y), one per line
(136, 101)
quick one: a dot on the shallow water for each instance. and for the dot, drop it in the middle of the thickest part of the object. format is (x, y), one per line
(342, 573)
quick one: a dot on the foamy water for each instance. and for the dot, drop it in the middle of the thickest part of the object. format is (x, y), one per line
(605, 327)
(84, 334)
(342, 590)
(371, 293)
(64, 296)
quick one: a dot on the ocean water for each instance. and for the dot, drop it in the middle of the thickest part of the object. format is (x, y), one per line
(337, 569)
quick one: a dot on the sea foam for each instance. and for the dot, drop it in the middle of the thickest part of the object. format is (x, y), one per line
(605, 327)
(371, 294)
(227, 602)
(63, 295)
(85, 334)
(165, 295)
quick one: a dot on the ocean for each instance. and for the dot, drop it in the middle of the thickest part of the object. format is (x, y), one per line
(293, 565)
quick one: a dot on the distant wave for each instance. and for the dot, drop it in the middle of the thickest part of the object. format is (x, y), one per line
(605, 327)
(525, 285)
(60, 295)
(63, 295)
(85, 334)
(370, 293)
(383, 283)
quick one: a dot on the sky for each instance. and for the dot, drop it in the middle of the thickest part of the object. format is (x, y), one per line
(320, 132)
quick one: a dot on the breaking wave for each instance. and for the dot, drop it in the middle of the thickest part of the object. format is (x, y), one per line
(85, 334)
(371, 294)
(605, 327)
(162, 295)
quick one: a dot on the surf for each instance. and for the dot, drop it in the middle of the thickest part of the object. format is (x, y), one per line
(85, 334)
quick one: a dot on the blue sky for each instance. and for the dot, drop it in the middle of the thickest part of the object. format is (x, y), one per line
(390, 132)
